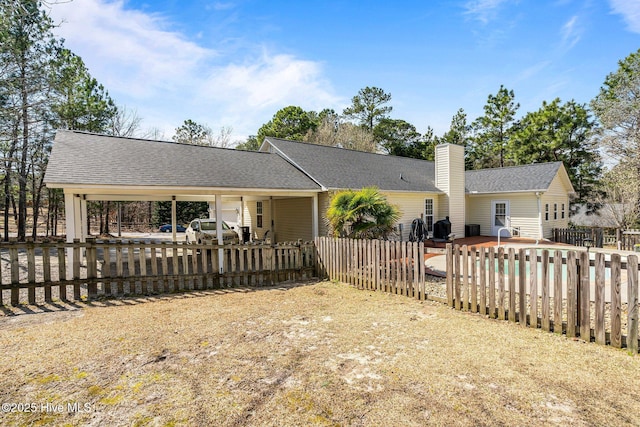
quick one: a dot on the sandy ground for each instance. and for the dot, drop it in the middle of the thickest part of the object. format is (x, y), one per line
(313, 354)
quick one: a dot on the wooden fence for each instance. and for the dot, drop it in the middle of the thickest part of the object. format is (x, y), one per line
(389, 266)
(594, 297)
(577, 236)
(628, 239)
(44, 272)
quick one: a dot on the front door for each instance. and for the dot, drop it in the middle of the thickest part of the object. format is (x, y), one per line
(500, 218)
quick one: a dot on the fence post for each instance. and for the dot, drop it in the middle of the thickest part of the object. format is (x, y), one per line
(92, 270)
(512, 285)
(557, 291)
(456, 277)
(492, 283)
(76, 269)
(15, 274)
(46, 266)
(546, 309)
(449, 278)
(572, 298)
(31, 272)
(616, 301)
(632, 319)
(465, 278)
(600, 299)
(533, 288)
(500, 304)
(584, 298)
(482, 273)
(522, 288)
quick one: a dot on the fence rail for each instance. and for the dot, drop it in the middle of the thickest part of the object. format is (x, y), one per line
(43, 272)
(570, 292)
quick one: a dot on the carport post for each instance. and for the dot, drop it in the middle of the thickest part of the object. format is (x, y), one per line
(314, 217)
(173, 218)
(75, 209)
(219, 233)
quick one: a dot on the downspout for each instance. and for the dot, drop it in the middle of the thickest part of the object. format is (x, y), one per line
(540, 230)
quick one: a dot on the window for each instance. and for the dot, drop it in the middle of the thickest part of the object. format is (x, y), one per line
(259, 214)
(546, 212)
(428, 214)
(500, 219)
(562, 212)
(555, 211)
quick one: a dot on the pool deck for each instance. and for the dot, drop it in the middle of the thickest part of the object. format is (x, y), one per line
(435, 259)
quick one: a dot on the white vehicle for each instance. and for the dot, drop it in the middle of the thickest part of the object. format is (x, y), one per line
(203, 231)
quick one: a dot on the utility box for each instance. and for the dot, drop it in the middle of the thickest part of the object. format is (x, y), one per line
(472, 230)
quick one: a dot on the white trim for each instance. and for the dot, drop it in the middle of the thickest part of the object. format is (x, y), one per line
(315, 230)
(155, 191)
(540, 225)
(382, 190)
(502, 193)
(495, 228)
(219, 233)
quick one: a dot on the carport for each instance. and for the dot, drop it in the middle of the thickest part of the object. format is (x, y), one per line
(92, 167)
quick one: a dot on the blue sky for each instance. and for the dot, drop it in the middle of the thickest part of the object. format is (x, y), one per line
(235, 63)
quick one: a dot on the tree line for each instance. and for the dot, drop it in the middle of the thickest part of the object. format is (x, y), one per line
(44, 86)
(579, 135)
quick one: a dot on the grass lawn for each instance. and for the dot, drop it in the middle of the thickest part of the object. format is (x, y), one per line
(315, 354)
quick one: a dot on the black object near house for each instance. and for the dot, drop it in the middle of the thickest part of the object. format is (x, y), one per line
(442, 229)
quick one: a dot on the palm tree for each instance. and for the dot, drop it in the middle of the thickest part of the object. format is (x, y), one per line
(364, 214)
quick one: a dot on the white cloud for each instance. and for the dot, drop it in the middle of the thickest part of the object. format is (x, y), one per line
(630, 11)
(483, 10)
(270, 81)
(571, 33)
(532, 71)
(223, 5)
(168, 78)
(127, 50)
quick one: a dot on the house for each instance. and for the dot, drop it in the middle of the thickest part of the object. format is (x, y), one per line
(283, 190)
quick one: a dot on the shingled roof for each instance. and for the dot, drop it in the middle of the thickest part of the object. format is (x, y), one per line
(90, 159)
(338, 168)
(534, 177)
(86, 158)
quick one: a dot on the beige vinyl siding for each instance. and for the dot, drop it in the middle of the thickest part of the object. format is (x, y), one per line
(246, 215)
(411, 206)
(443, 206)
(523, 212)
(450, 178)
(479, 212)
(557, 194)
(293, 217)
(457, 209)
(250, 218)
(323, 204)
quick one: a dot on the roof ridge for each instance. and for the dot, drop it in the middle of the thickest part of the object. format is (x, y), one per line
(514, 166)
(345, 149)
(161, 141)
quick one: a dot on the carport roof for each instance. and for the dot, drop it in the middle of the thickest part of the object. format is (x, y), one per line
(87, 158)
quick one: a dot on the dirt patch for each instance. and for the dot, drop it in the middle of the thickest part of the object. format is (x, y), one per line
(318, 354)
